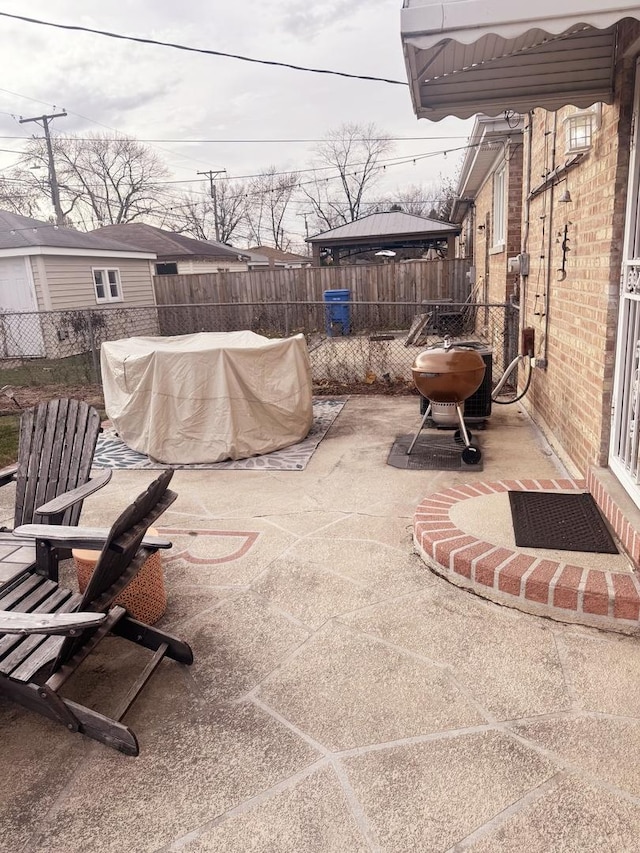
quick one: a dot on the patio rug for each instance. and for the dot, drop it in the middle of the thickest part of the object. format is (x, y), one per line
(112, 452)
(431, 453)
(557, 520)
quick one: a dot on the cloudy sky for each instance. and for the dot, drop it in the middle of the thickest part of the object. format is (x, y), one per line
(199, 112)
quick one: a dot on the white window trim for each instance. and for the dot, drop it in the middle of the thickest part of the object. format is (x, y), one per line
(107, 297)
(498, 236)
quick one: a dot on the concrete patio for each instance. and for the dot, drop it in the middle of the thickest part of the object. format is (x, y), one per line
(343, 696)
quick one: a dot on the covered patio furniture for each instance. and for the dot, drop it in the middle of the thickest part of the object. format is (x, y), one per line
(208, 397)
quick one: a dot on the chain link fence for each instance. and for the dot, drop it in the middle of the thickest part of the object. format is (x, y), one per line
(353, 346)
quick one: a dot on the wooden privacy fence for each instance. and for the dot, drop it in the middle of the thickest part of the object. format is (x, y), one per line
(412, 282)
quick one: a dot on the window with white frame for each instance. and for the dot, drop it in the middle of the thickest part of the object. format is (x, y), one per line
(498, 237)
(107, 285)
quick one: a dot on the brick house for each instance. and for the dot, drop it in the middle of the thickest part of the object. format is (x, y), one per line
(488, 205)
(570, 71)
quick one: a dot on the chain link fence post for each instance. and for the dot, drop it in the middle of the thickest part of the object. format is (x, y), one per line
(92, 344)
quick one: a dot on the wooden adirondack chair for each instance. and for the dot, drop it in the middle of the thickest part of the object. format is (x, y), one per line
(35, 662)
(57, 442)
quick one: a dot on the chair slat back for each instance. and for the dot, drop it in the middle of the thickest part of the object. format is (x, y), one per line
(57, 441)
(125, 538)
(115, 562)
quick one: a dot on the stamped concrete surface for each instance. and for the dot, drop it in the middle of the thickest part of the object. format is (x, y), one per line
(343, 697)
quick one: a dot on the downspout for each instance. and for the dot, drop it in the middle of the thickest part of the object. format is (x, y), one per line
(524, 242)
(548, 282)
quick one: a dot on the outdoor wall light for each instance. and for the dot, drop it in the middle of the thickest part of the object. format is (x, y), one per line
(580, 128)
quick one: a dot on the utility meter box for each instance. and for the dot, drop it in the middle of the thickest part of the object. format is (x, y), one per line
(518, 264)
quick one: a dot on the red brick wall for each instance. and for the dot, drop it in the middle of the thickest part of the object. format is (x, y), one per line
(575, 319)
(494, 283)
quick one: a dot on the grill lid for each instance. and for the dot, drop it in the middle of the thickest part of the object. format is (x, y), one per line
(448, 374)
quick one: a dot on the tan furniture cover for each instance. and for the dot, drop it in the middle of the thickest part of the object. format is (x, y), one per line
(209, 396)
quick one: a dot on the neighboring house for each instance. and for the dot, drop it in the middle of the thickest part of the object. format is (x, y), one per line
(488, 206)
(178, 254)
(45, 268)
(391, 231)
(267, 256)
(572, 73)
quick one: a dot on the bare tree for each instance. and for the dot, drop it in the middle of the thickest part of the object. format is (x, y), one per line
(269, 196)
(102, 180)
(18, 196)
(445, 195)
(196, 215)
(231, 202)
(416, 199)
(347, 167)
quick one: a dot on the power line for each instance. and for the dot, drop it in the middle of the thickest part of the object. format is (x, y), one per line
(167, 186)
(176, 46)
(386, 163)
(389, 161)
(237, 141)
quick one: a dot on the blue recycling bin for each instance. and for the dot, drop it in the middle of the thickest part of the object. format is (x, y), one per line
(338, 312)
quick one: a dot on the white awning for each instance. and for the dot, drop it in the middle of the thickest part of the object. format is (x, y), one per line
(487, 56)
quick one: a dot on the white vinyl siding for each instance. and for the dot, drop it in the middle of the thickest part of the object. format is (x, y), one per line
(70, 282)
(230, 265)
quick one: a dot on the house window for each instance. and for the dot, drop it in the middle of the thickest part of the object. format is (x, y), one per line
(167, 269)
(498, 207)
(107, 285)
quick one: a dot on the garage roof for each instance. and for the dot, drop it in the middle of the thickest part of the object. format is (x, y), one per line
(386, 225)
(470, 56)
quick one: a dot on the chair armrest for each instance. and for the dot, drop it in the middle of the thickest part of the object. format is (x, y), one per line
(58, 505)
(91, 538)
(7, 474)
(47, 623)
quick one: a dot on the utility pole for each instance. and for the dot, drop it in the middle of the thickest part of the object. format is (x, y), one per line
(212, 173)
(53, 180)
(306, 229)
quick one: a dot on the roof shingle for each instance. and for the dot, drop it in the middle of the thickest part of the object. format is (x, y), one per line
(24, 232)
(168, 245)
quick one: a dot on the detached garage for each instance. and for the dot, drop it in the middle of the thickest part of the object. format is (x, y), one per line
(45, 268)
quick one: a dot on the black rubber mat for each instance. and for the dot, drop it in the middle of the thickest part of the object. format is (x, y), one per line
(431, 453)
(557, 520)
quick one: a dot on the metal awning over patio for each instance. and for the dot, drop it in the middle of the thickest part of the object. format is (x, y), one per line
(488, 56)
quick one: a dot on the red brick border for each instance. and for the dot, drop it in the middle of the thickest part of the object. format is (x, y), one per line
(568, 593)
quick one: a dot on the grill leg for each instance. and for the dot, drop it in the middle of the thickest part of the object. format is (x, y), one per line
(424, 420)
(463, 426)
